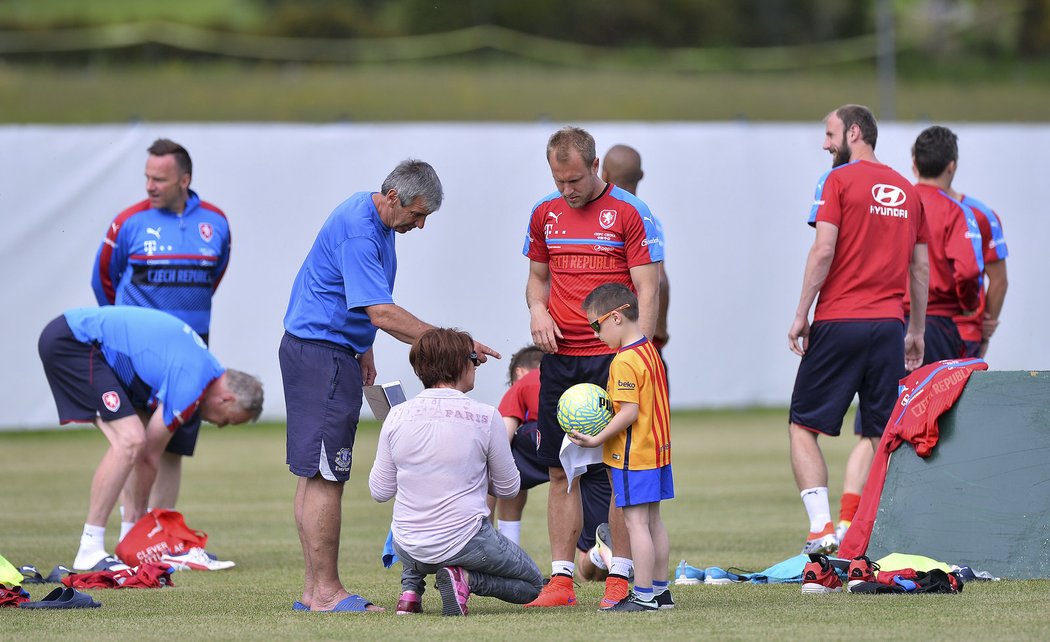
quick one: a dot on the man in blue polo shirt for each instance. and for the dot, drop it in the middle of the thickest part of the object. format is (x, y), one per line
(137, 374)
(341, 296)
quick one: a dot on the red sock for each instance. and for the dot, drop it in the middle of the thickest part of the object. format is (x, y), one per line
(848, 507)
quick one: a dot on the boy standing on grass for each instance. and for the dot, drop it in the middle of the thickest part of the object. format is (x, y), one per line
(637, 442)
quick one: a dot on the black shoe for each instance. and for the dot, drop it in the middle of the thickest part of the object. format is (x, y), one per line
(664, 600)
(633, 604)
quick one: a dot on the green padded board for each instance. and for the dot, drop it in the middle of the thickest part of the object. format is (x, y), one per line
(983, 497)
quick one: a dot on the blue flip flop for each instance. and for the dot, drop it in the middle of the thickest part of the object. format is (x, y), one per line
(63, 598)
(299, 606)
(351, 603)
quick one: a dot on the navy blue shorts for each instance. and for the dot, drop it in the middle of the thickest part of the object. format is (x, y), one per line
(322, 395)
(942, 340)
(83, 384)
(558, 373)
(637, 487)
(184, 439)
(972, 348)
(523, 448)
(847, 358)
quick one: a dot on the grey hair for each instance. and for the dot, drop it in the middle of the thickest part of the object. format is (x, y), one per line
(248, 389)
(414, 179)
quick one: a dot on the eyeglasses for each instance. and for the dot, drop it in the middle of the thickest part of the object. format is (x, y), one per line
(596, 325)
(474, 359)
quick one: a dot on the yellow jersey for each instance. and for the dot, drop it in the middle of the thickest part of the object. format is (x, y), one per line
(637, 375)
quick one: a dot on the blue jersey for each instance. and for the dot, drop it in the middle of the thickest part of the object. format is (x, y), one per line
(156, 348)
(158, 259)
(351, 265)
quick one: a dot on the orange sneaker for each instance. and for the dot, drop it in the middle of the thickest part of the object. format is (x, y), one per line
(822, 543)
(616, 588)
(559, 591)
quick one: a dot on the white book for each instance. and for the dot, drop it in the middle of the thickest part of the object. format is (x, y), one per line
(382, 397)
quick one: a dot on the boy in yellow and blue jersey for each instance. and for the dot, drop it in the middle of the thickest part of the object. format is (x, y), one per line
(637, 442)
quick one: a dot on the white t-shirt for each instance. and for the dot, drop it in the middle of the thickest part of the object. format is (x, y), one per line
(440, 454)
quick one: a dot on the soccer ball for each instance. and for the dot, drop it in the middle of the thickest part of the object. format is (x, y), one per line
(584, 407)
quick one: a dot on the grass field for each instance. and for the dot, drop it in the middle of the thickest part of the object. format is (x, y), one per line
(736, 506)
(231, 92)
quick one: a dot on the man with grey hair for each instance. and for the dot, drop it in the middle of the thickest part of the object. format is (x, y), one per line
(341, 296)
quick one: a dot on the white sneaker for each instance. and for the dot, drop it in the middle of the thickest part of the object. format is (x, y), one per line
(840, 530)
(195, 559)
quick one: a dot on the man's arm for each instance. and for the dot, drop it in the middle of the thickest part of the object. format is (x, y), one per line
(995, 296)
(646, 279)
(919, 292)
(545, 333)
(406, 327)
(511, 424)
(110, 262)
(818, 263)
(661, 334)
(145, 471)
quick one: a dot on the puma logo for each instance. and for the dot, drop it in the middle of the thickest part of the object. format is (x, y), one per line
(153, 231)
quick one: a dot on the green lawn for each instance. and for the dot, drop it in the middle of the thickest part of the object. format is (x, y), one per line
(736, 506)
(227, 91)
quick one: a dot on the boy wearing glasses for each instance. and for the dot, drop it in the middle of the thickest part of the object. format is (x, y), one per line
(637, 442)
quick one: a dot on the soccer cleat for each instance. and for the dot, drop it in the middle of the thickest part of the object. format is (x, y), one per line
(409, 603)
(840, 530)
(686, 574)
(603, 542)
(822, 543)
(664, 600)
(451, 584)
(819, 576)
(558, 592)
(633, 604)
(616, 589)
(109, 563)
(195, 559)
(861, 569)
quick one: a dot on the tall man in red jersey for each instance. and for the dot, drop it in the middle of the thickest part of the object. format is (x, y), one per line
(584, 235)
(870, 245)
(956, 259)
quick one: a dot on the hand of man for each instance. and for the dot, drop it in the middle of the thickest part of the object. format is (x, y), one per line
(914, 347)
(368, 367)
(483, 352)
(545, 333)
(799, 330)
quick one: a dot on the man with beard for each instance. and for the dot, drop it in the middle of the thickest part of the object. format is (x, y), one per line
(870, 244)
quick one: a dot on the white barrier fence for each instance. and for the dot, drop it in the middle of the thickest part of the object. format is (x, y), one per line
(734, 198)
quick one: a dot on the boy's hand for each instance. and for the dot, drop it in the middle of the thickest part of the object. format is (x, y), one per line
(585, 441)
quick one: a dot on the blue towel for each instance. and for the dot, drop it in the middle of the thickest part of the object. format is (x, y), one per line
(790, 570)
(389, 556)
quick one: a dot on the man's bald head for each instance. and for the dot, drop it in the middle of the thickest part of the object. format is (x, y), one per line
(622, 166)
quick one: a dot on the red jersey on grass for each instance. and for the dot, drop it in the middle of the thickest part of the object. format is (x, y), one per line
(587, 247)
(880, 218)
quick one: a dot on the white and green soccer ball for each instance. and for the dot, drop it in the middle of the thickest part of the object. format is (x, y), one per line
(584, 407)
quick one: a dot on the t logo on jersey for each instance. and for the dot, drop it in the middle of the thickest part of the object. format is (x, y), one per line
(206, 231)
(111, 400)
(888, 195)
(607, 218)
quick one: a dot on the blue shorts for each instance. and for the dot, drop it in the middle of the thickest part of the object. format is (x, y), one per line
(637, 487)
(322, 395)
(942, 340)
(523, 448)
(847, 358)
(972, 348)
(83, 384)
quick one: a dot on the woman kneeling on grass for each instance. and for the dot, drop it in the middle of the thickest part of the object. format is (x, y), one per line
(440, 454)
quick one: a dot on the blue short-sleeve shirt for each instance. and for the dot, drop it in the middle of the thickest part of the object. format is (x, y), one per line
(162, 351)
(351, 266)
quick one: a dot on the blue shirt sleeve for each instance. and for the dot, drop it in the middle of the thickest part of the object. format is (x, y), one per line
(364, 278)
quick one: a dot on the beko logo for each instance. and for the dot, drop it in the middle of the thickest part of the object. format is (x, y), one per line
(888, 195)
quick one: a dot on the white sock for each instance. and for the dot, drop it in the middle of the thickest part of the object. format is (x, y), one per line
(92, 547)
(124, 528)
(596, 559)
(621, 566)
(817, 507)
(563, 567)
(511, 530)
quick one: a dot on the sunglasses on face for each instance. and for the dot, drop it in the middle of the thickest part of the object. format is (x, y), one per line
(596, 325)
(474, 359)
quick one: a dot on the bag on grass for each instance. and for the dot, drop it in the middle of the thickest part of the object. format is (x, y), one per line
(158, 533)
